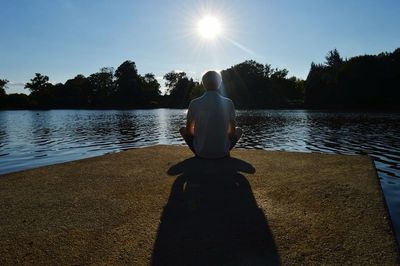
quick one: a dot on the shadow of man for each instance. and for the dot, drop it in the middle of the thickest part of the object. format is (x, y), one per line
(212, 218)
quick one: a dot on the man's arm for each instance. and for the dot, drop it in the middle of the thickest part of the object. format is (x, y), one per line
(231, 129)
(190, 128)
(232, 121)
(190, 121)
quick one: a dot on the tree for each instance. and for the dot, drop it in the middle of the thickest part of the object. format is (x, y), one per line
(172, 78)
(254, 85)
(41, 91)
(314, 94)
(38, 84)
(333, 59)
(267, 70)
(278, 73)
(77, 91)
(366, 82)
(16, 101)
(179, 87)
(128, 91)
(300, 88)
(3, 86)
(150, 88)
(3, 95)
(102, 87)
(196, 91)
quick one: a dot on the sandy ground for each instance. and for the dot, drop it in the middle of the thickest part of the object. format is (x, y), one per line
(160, 206)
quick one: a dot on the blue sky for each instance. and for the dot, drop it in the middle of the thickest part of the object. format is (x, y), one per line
(63, 38)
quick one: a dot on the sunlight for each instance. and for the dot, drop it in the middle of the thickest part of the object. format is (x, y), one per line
(209, 27)
(213, 33)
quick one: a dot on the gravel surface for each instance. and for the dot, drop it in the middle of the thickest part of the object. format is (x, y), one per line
(160, 206)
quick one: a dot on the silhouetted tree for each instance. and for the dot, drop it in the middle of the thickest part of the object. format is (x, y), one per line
(38, 83)
(333, 59)
(150, 89)
(322, 82)
(197, 91)
(366, 82)
(254, 85)
(179, 87)
(314, 86)
(102, 87)
(16, 101)
(3, 85)
(41, 91)
(300, 88)
(13, 100)
(128, 91)
(278, 73)
(77, 92)
(172, 79)
(3, 95)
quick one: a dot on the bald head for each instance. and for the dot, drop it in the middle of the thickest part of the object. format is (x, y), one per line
(211, 80)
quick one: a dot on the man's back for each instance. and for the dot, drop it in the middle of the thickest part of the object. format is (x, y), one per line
(211, 114)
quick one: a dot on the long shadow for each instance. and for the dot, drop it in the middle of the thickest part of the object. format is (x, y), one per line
(212, 218)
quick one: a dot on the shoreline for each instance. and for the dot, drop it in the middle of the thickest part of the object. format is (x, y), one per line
(328, 110)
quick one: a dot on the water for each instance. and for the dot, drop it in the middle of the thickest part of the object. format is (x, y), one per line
(34, 138)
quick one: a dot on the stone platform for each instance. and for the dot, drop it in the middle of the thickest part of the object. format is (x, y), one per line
(160, 206)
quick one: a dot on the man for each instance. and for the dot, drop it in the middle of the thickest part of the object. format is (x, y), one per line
(211, 130)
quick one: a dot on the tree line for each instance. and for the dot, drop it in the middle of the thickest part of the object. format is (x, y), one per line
(122, 88)
(361, 82)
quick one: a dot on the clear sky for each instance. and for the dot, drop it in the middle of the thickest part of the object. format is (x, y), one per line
(63, 38)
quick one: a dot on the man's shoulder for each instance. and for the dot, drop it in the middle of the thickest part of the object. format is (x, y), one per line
(202, 100)
(195, 101)
(225, 99)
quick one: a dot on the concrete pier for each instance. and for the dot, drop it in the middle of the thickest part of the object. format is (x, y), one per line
(161, 206)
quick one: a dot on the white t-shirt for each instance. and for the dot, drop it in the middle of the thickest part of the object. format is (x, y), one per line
(211, 114)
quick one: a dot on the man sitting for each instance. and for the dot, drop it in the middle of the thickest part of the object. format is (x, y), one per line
(211, 130)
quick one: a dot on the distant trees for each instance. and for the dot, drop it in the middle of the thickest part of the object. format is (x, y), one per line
(362, 82)
(322, 81)
(3, 84)
(128, 91)
(123, 88)
(16, 101)
(367, 82)
(101, 88)
(41, 91)
(9, 101)
(133, 90)
(333, 59)
(38, 84)
(150, 90)
(3, 95)
(254, 85)
(196, 91)
(179, 88)
(75, 93)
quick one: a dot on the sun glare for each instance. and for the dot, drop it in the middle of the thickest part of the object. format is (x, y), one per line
(209, 27)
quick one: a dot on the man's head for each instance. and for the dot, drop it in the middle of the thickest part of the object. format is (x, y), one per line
(211, 80)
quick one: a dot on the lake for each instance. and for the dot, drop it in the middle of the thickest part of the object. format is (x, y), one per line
(35, 138)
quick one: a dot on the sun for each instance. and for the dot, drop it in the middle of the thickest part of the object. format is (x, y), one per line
(209, 27)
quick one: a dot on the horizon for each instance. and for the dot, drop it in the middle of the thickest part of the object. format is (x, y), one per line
(62, 39)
